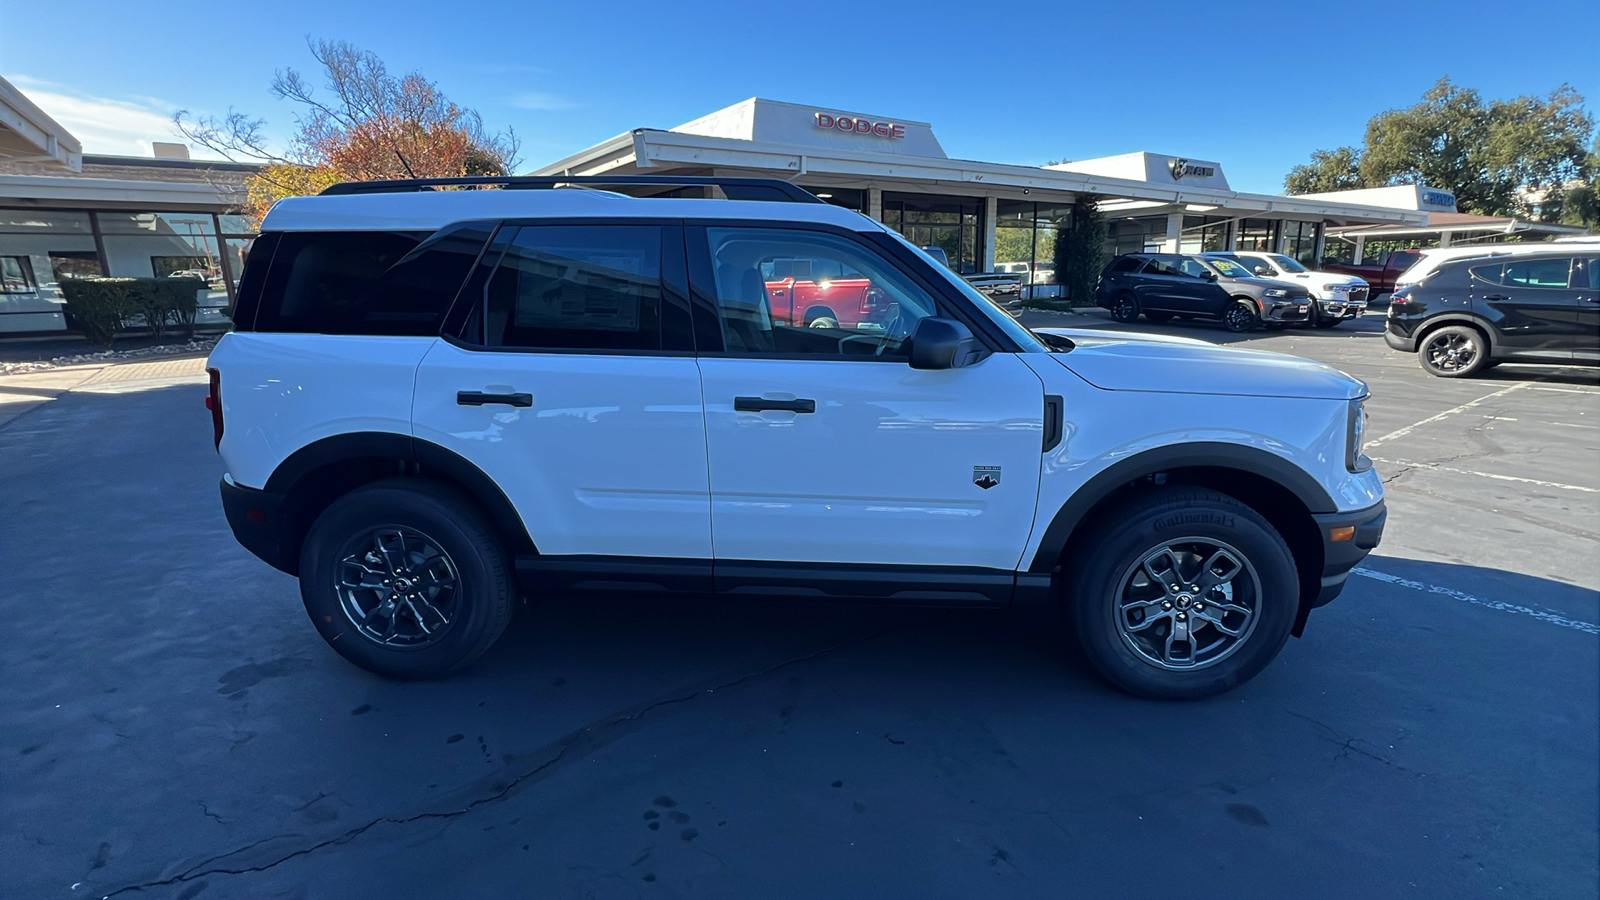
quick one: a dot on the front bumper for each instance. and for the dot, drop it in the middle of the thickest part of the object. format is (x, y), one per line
(1347, 538)
(1290, 310)
(1341, 307)
(256, 518)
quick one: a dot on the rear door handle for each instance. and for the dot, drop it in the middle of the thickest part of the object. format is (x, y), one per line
(479, 398)
(762, 404)
(1496, 297)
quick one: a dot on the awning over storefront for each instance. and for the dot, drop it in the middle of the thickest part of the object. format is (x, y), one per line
(28, 135)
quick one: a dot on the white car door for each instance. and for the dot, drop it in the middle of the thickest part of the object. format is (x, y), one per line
(825, 446)
(573, 386)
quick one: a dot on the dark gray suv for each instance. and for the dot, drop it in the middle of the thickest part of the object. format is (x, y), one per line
(1162, 285)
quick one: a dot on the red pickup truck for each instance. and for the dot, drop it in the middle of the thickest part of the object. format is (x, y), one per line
(798, 297)
(1380, 276)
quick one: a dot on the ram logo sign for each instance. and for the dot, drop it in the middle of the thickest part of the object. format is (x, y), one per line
(1181, 167)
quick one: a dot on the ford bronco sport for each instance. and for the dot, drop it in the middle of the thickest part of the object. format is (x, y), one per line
(434, 400)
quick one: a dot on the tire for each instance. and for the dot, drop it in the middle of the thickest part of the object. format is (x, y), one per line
(1318, 320)
(1453, 351)
(1125, 307)
(823, 322)
(1104, 587)
(1241, 316)
(821, 313)
(445, 545)
(1158, 317)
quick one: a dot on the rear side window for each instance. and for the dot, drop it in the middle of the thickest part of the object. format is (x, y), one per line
(1125, 264)
(1488, 273)
(366, 282)
(1537, 273)
(576, 287)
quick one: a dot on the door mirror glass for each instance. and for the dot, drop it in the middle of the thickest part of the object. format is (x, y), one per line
(1210, 276)
(944, 344)
(1264, 270)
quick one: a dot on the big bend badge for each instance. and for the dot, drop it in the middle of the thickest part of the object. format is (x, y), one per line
(986, 476)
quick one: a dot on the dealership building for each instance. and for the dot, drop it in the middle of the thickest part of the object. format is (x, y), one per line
(65, 214)
(987, 217)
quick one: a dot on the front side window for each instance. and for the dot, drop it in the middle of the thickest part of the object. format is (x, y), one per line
(1586, 273)
(580, 287)
(1537, 273)
(785, 292)
(1194, 268)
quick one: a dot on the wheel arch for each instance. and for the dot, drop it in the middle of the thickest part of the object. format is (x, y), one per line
(817, 311)
(316, 475)
(1282, 493)
(1434, 323)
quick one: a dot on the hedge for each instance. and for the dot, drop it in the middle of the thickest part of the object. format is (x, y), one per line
(99, 308)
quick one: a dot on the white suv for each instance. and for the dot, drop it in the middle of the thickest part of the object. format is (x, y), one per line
(1334, 297)
(436, 399)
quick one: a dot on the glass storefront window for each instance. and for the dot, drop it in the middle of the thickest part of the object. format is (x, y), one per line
(1300, 241)
(27, 221)
(1204, 234)
(930, 220)
(1258, 234)
(849, 198)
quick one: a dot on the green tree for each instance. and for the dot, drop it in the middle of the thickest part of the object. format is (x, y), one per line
(1498, 158)
(1329, 170)
(1080, 251)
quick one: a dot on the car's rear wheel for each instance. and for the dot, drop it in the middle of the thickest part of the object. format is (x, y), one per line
(1125, 307)
(1183, 593)
(405, 578)
(1158, 317)
(1454, 351)
(1241, 316)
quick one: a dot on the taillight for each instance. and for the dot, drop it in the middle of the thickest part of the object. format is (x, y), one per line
(214, 403)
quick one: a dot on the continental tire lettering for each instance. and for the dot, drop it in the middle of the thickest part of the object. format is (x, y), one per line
(1207, 518)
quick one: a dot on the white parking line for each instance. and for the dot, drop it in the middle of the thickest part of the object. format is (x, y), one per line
(1449, 412)
(1438, 468)
(1567, 391)
(1540, 614)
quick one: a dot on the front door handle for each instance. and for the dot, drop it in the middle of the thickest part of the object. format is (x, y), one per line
(479, 398)
(1496, 297)
(762, 404)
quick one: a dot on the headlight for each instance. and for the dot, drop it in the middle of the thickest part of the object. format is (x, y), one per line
(1337, 288)
(1274, 292)
(1355, 436)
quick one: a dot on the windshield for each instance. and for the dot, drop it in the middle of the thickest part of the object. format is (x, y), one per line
(1228, 267)
(1288, 264)
(1026, 339)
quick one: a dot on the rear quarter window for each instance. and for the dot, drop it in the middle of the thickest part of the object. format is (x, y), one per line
(366, 282)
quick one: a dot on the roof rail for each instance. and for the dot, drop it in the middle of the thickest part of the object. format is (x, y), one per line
(734, 188)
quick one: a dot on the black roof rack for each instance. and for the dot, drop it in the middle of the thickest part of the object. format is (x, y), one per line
(733, 188)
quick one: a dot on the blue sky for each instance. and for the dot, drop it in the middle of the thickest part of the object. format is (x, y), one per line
(1256, 86)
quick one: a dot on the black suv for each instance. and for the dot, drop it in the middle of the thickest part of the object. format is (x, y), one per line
(1163, 285)
(1471, 314)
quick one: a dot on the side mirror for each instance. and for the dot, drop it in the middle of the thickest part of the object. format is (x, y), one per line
(1210, 276)
(944, 344)
(1263, 270)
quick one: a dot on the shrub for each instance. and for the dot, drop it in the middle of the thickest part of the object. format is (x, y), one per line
(1080, 252)
(98, 307)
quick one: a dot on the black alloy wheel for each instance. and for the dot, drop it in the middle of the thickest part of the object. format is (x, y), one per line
(1125, 307)
(1241, 316)
(1454, 351)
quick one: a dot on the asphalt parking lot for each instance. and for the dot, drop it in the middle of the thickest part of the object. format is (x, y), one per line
(172, 727)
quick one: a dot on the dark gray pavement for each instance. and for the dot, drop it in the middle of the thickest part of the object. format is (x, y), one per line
(172, 727)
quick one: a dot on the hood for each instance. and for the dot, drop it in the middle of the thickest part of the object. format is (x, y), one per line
(1115, 363)
(1321, 278)
(1265, 283)
(1084, 337)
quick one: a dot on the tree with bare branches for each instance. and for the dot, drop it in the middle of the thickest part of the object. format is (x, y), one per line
(370, 125)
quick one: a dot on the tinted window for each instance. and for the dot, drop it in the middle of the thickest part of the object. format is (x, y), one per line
(788, 292)
(1162, 265)
(1586, 273)
(580, 287)
(1126, 264)
(365, 282)
(1489, 272)
(1194, 268)
(1536, 273)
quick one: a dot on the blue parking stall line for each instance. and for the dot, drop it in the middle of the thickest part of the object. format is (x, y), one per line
(1542, 615)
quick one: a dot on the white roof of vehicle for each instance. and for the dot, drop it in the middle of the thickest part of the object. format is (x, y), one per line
(431, 210)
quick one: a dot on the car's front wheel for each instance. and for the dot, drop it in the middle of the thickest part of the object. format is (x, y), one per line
(1183, 593)
(1241, 316)
(1454, 351)
(405, 578)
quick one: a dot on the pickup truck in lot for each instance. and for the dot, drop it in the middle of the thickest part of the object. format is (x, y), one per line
(1381, 277)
